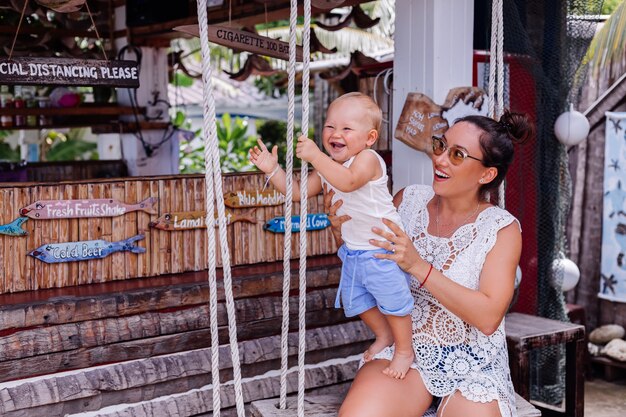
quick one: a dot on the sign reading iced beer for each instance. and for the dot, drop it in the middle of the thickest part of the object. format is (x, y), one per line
(61, 71)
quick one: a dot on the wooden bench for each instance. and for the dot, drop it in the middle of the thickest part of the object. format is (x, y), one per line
(525, 333)
(328, 405)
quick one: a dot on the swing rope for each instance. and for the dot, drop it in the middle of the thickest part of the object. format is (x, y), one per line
(213, 181)
(306, 30)
(291, 88)
(496, 73)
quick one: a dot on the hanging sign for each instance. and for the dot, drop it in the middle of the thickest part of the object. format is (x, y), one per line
(316, 221)
(253, 198)
(247, 41)
(74, 209)
(14, 228)
(67, 71)
(613, 262)
(85, 250)
(196, 220)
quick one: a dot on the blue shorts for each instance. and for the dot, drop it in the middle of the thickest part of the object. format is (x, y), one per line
(368, 282)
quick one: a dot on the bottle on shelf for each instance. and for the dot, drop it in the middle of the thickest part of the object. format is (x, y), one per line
(6, 102)
(29, 99)
(19, 120)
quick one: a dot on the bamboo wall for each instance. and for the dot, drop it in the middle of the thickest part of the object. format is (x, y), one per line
(166, 251)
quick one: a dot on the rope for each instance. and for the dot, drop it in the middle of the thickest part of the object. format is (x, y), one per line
(214, 190)
(496, 73)
(306, 30)
(291, 88)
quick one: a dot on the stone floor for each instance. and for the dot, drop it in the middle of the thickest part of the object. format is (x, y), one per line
(605, 399)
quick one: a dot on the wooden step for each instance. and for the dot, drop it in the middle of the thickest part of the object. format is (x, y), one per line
(200, 401)
(78, 332)
(328, 406)
(144, 379)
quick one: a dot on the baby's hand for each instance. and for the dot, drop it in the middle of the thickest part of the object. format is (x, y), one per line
(262, 158)
(306, 149)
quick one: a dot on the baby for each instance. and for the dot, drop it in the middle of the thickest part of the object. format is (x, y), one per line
(376, 290)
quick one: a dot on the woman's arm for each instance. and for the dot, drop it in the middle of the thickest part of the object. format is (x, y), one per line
(483, 308)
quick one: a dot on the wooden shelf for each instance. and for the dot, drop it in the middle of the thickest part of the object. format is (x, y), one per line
(82, 110)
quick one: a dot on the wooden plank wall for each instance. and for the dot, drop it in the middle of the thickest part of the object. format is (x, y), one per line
(166, 252)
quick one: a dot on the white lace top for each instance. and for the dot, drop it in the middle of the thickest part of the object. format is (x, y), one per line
(450, 354)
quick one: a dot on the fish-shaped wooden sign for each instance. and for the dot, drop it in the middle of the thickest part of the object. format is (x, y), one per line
(73, 209)
(196, 219)
(85, 250)
(14, 228)
(317, 221)
(253, 198)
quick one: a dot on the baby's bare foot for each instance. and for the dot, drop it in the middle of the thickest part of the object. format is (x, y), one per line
(399, 365)
(379, 344)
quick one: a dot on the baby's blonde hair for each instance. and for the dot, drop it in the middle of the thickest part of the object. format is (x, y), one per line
(374, 113)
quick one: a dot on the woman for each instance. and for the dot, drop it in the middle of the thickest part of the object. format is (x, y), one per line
(462, 253)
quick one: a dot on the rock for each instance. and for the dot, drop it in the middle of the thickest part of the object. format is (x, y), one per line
(615, 349)
(594, 350)
(606, 333)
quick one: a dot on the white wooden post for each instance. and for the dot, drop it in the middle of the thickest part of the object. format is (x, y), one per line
(433, 53)
(153, 79)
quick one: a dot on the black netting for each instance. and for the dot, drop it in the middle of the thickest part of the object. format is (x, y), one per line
(544, 42)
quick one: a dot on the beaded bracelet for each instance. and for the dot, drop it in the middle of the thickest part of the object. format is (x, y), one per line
(269, 176)
(427, 275)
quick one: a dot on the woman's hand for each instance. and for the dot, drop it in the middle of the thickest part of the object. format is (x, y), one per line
(331, 209)
(402, 248)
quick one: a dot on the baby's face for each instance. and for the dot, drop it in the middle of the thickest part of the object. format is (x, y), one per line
(346, 129)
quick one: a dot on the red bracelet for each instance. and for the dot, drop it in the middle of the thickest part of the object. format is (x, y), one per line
(427, 275)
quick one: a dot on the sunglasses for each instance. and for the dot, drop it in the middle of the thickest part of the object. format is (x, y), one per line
(456, 154)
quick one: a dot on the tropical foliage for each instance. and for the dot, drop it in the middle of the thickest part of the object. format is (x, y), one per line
(233, 141)
(608, 48)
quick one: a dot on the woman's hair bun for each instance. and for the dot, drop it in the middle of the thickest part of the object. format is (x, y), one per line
(518, 126)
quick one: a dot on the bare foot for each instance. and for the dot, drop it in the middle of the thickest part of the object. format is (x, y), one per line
(379, 344)
(399, 365)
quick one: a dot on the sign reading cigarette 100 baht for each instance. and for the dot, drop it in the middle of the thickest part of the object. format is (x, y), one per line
(62, 71)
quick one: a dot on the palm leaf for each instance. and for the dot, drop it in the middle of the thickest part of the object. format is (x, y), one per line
(608, 47)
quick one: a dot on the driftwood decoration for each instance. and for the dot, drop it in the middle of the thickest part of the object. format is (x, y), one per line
(242, 40)
(317, 46)
(357, 60)
(357, 15)
(197, 219)
(326, 4)
(255, 65)
(63, 71)
(422, 118)
(62, 6)
(76, 209)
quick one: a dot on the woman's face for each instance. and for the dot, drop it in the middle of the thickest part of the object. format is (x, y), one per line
(450, 179)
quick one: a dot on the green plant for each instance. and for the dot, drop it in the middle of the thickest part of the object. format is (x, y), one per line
(274, 132)
(233, 142)
(68, 147)
(7, 153)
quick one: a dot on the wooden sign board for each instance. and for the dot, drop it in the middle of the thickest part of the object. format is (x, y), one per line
(253, 198)
(63, 71)
(316, 221)
(247, 41)
(14, 228)
(419, 121)
(76, 209)
(188, 220)
(53, 253)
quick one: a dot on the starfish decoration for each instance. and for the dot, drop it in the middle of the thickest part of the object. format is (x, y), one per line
(616, 125)
(608, 283)
(614, 164)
